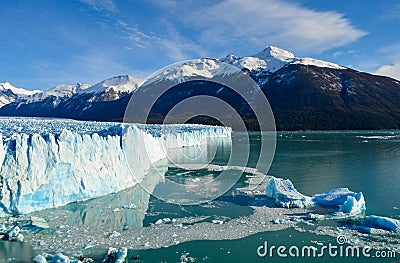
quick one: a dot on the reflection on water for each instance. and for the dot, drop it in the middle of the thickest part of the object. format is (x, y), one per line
(189, 189)
(115, 211)
(15, 252)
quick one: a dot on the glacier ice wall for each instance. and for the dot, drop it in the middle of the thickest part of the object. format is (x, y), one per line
(40, 170)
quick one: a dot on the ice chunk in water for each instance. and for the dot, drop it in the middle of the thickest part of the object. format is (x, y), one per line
(381, 222)
(285, 194)
(348, 202)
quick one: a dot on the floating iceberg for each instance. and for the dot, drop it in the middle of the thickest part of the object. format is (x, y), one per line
(76, 161)
(373, 223)
(349, 202)
(285, 195)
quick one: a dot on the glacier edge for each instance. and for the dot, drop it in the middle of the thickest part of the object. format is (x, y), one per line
(40, 171)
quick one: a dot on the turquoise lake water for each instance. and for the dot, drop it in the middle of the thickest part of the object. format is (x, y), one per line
(366, 161)
(363, 161)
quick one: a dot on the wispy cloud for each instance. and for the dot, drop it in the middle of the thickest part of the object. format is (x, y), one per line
(284, 23)
(343, 53)
(97, 62)
(391, 55)
(171, 43)
(165, 3)
(135, 36)
(179, 46)
(390, 71)
(101, 5)
(209, 28)
(391, 52)
(391, 11)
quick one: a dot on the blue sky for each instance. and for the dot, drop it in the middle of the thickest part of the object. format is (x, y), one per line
(45, 42)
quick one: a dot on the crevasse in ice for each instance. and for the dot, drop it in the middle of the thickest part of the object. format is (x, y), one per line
(73, 161)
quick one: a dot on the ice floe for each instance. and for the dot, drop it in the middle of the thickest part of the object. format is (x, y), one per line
(346, 202)
(372, 223)
(285, 195)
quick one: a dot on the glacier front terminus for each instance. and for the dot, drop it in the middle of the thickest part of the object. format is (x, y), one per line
(47, 163)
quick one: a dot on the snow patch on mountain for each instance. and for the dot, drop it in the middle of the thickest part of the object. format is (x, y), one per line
(272, 59)
(276, 53)
(5, 99)
(16, 91)
(9, 93)
(267, 61)
(119, 84)
(58, 92)
(250, 63)
(198, 68)
(318, 63)
(107, 90)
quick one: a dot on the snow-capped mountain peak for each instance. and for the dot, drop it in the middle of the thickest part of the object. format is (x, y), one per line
(273, 52)
(59, 91)
(9, 93)
(230, 56)
(272, 58)
(204, 68)
(120, 84)
(16, 91)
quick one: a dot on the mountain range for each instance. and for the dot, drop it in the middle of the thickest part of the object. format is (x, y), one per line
(304, 93)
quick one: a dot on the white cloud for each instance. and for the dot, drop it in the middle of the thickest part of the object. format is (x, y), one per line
(97, 64)
(391, 11)
(389, 58)
(344, 53)
(134, 35)
(391, 52)
(171, 43)
(282, 23)
(392, 71)
(165, 3)
(178, 46)
(101, 5)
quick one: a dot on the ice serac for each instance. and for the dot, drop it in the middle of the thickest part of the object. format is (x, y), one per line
(40, 170)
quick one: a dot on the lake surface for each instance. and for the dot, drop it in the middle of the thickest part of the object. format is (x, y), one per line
(363, 161)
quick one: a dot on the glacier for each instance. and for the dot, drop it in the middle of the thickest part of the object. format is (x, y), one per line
(346, 202)
(47, 163)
